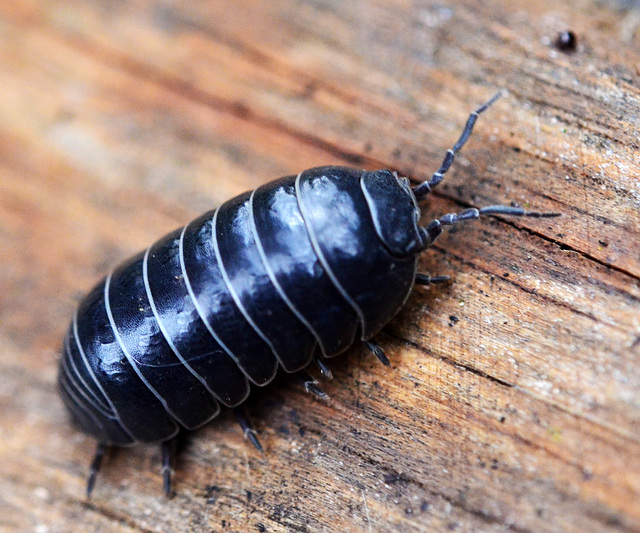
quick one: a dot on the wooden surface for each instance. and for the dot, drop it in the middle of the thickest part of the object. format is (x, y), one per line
(513, 401)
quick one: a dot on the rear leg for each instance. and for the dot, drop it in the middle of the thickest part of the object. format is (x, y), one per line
(377, 351)
(96, 463)
(322, 366)
(168, 448)
(425, 279)
(311, 385)
(247, 428)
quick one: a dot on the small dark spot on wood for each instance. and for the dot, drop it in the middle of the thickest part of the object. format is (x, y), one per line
(241, 110)
(249, 495)
(393, 477)
(261, 528)
(453, 320)
(567, 41)
(302, 431)
(494, 464)
(64, 115)
(408, 511)
(516, 148)
(309, 90)
(604, 244)
(278, 513)
(211, 493)
(284, 430)
(368, 147)
(452, 526)
(424, 506)
(505, 275)
(540, 512)
(502, 419)
(613, 521)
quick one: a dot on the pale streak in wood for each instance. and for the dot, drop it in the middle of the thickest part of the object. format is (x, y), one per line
(117, 125)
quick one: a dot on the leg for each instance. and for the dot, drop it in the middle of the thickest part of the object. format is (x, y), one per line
(435, 228)
(311, 385)
(324, 369)
(167, 456)
(425, 279)
(425, 187)
(377, 351)
(95, 467)
(247, 428)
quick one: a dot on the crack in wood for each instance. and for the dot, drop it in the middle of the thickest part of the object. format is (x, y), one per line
(109, 514)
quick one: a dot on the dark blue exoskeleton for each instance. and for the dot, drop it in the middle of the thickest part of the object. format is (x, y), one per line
(296, 271)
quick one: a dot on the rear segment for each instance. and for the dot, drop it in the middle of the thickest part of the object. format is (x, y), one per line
(136, 409)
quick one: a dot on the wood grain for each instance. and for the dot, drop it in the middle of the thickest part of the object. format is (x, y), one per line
(513, 402)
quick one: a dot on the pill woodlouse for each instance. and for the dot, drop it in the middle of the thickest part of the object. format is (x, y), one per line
(296, 270)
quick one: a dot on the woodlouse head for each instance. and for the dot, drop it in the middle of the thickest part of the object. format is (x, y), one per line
(394, 211)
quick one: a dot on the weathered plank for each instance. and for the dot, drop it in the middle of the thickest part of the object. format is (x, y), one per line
(514, 398)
